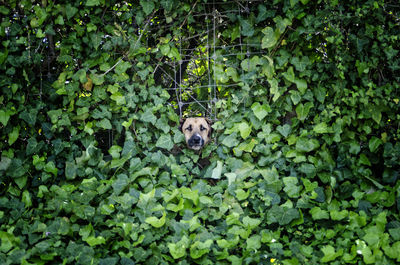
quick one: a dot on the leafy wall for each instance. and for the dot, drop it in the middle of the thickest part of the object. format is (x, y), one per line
(304, 168)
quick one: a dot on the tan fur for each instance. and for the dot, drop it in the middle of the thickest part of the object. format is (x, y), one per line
(197, 132)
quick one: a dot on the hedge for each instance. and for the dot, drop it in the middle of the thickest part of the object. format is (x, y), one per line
(304, 163)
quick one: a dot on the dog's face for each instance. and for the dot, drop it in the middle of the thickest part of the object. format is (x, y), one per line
(197, 132)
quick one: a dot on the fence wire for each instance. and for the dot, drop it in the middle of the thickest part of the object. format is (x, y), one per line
(189, 87)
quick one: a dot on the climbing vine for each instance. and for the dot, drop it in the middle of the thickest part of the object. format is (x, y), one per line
(304, 163)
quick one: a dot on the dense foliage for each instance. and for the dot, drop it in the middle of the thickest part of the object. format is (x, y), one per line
(304, 168)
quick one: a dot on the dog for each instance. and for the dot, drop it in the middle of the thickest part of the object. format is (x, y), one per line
(197, 132)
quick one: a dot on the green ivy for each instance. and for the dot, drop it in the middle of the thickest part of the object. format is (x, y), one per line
(304, 163)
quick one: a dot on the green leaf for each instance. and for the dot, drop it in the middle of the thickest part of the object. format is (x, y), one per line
(97, 79)
(13, 135)
(274, 89)
(198, 248)
(319, 214)
(289, 74)
(165, 48)
(303, 110)
(92, 2)
(330, 253)
(292, 188)
(251, 223)
(241, 194)
(29, 116)
(364, 160)
(70, 170)
(178, 250)
(244, 129)
(339, 215)
(321, 128)
(374, 143)
(50, 167)
(94, 241)
(230, 140)
(4, 117)
(260, 111)
(5, 162)
(301, 85)
(247, 27)
(122, 67)
(104, 124)
(148, 6)
(7, 241)
(70, 11)
(253, 242)
(26, 199)
(165, 141)
(281, 215)
(393, 251)
(156, 222)
(284, 130)
(376, 116)
(217, 171)
(269, 40)
(304, 144)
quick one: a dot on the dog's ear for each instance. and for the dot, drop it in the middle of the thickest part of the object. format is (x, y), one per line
(209, 125)
(181, 121)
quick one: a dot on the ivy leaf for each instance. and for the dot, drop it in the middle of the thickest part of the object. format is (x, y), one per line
(304, 144)
(104, 124)
(92, 2)
(269, 40)
(165, 141)
(156, 222)
(70, 170)
(374, 143)
(244, 129)
(50, 167)
(251, 223)
(284, 130)
(4, 117)
(281, 215)
(292, 188)
(122, 67)
(70, 11)
(247, 27)
(321, 128)
(94, 241)
(253, 242)
(330, 253)
(178, 250)
(303, 110)
(198, 248)
(217, 171)
(376, 116)
(13, 135)
(29, 116)
(319, 214)
(301, 85)
(230, 140)
(148, 6)
(5, 162)
(289, 74)
(260, 111)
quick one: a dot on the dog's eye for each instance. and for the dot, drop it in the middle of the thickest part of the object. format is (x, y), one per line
(202, 128)
(189, 128)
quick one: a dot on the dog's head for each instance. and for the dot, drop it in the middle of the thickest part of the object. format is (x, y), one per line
(197, 132)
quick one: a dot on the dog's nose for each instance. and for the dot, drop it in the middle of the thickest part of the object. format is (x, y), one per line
(195, 140)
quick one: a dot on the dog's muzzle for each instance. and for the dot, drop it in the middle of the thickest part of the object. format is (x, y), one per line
(196, 142)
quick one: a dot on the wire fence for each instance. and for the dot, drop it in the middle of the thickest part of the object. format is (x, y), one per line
(192, 79)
